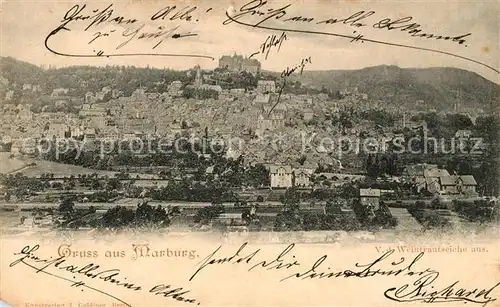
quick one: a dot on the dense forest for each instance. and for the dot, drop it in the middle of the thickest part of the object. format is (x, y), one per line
(437, 87)
(90, 78)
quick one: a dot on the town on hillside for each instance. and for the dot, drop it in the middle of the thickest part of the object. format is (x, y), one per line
(237, 149)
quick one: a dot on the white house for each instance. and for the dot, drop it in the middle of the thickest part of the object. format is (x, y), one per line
(281, 176)
(301, 177)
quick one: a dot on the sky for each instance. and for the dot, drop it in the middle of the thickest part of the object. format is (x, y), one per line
(26, 24)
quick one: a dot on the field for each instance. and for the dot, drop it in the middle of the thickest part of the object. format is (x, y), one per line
(10, 219)
(8, 165)
(60, 169)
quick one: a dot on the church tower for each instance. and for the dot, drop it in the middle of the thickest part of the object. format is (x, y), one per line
(198, 81)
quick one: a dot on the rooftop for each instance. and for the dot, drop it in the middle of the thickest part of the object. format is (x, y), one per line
(369, 192)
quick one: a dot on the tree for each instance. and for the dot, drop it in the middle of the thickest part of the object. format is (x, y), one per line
(118, 217)
(431, 219)
(311, 221)
(122, 176)
(248, 216)
(420, 205)
(348, 190)
(301, 160)
(113, 184)
(383, 217)
(257, 176)
(291, 198)
(436, 204)
(458, 121)
(288, 219)
(66, 206)
(206, 215)
(488, 127)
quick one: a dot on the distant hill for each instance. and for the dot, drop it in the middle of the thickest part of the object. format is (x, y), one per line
(20, 72)
(439, 87)
(88, 78)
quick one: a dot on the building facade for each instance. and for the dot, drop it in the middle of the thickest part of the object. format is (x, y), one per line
(281, 176)
(237, 63)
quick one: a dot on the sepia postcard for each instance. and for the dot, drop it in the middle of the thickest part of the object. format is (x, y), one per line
(249, 153)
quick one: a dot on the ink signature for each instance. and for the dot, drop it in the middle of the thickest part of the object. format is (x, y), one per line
(420, 290)
(78, 15)
(162, 34)
(92, 272)
(286, 73)
(270, 42)
(256, 14)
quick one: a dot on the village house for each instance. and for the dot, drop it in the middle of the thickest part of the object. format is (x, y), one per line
(251, 158)
(115, 93)
(370, 198)
(89, 110)
(105, 90)
(266, 86)
(25, 113)
(153, 95)
(90, 134)
(174, 89)
(9, 95)
(99, 96)
(339, 207)
(216, 88)
(417, 170)
(29, 145)
(308, 114)
(98, 122)
(262, 99)
(337, 179)
(111, 133)
(237, 91)
(281, 176)
(448, 184)
(271, 121)
(57, 131)
(302, 177)
(433, 178)
(58, 92)
(414, 173)
(16, 147)
(465, 184)
(231, 219)
(174, 129)
(139, 94)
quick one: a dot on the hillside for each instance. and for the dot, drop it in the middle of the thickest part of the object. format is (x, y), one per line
(20, 72)
(82, 79)
(439, 87)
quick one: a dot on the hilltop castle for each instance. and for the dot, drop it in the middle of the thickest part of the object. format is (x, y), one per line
(238, 63)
